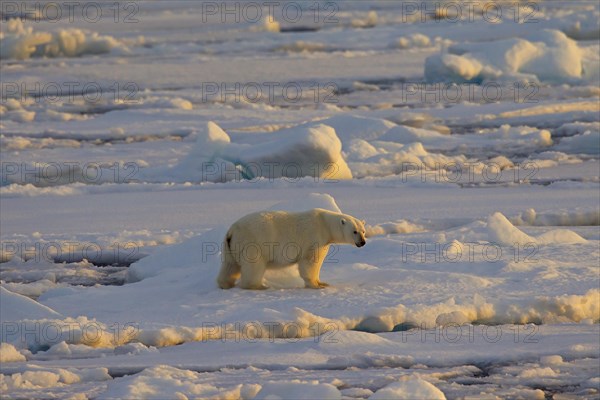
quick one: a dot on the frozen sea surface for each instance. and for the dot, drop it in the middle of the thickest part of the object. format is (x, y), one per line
(466, 135)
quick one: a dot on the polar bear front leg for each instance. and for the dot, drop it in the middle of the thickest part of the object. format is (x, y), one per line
(310, 271)
(252, 276)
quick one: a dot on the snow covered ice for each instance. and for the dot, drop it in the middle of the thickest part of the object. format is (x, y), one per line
(467, 135)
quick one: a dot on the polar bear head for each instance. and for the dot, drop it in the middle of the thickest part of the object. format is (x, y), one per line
(352, 230)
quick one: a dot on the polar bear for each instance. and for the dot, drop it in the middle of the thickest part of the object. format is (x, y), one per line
(277, 239)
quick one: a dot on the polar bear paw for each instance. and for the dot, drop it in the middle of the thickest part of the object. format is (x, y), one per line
(316, 285)
(255, 287)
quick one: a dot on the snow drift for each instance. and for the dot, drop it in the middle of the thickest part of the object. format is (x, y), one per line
(409, 388)
(503, 232)
(312, 150)
(20, 42)
(548, 55)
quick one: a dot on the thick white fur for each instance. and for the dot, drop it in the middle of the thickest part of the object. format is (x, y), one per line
(276, 239)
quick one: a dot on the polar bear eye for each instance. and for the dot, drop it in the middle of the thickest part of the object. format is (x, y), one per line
(355, 232)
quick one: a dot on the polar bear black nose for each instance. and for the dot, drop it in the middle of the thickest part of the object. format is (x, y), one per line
(361, 243)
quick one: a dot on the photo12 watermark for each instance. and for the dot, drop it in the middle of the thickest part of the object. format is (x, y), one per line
(92, 12)
(470, 334)
(468, 92)
(468, 172)
(289, 12)
(68, 172)
(70, 92)
(468, 252)
(470, 11)
(269, 92)
(71, 251)
(40, 335)
(254, 331)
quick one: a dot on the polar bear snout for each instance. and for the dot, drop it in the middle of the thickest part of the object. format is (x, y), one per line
(359, 234)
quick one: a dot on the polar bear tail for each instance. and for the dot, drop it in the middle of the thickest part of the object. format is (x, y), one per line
(230, 268)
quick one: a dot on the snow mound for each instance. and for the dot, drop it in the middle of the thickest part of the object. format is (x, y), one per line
(312, 150)
(519, 135)
(503, 137)
(383, 158)
(301, 151)
(551, 360)
(313, 200)
(503, 232)
(409, 389)
(368, 21)
(8, 353)
(20, 42)
(69, 336)
(74, 351)
(201, 252)
(52, 377)
(348, 127)
(416, 40)
(298, 390)
(15, 307)
(452, 318)
(563, 236)
(548, 55)
(559, 309)
(166, 382)
(581, 25)
(390, 228)
(406, 134)
(576, 217)
(585, 143)
(576, 128)
(376, 324)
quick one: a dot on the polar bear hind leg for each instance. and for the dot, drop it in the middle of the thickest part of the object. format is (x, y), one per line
(252, 276)
(230, 268)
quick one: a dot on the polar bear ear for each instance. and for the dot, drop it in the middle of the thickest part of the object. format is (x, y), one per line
(363, 221)
(343, 222)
